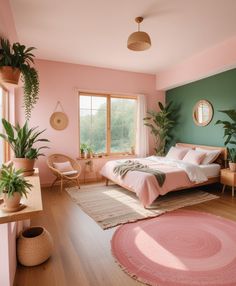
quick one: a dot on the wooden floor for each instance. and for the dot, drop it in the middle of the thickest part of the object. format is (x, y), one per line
(82, 253)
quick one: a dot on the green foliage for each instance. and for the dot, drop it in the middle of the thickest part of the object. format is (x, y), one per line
(22, 140)
(232, 155)
(11, 181)
(93, 127)
(18, 56)
(229, 126)
(160, 123)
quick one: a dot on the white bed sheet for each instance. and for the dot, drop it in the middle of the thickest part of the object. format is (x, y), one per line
(211, 170)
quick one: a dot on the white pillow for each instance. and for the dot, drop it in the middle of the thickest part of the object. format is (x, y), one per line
(63, 166)
(211, 155)
(194, 157)
(176, 153)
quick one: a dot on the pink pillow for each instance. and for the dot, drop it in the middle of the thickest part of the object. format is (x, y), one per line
(176, 153)
(211, 155)
(63, 166)
(194, 157)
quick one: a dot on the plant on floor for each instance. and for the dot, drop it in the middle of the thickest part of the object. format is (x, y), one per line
(160, 123)
(22, 140)
(17, 57)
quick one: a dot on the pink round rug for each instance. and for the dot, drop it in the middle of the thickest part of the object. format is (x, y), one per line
(180, 248)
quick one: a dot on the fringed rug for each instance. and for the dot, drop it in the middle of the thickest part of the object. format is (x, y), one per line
(113, 205)
(181, 248)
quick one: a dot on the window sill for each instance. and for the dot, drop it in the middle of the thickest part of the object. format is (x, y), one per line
(115, 156)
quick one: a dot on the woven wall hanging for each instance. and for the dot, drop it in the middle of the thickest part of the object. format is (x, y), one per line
(59, 120)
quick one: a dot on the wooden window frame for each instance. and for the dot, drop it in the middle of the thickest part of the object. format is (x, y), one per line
(108, 119)
(5, 114)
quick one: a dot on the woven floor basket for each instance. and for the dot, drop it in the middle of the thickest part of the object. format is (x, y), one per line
(34, 246)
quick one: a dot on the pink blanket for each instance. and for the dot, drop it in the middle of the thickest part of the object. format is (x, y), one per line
(145, 185)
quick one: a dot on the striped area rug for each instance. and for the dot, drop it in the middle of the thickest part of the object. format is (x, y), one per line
(113, 205)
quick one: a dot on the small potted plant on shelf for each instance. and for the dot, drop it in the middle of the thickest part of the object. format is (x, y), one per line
(16, 59)
(22, 141)
(232, 159)
(83, 150)
(90, 152)
(13, 186)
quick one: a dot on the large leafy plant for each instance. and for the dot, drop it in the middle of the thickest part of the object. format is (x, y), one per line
(18, 56)
(22, 140)
(160, 123)
(229, 132)
(11, 181)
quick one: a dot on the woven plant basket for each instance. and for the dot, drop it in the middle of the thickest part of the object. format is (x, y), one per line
(34, 246)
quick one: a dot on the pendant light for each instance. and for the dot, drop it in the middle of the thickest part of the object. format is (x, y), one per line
(139, 41)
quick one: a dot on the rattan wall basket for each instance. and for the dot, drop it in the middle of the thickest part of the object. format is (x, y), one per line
(34, 246)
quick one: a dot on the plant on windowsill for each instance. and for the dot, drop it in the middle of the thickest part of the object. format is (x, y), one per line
(13, 186)
(16, 59)
(160, 123)
(230, 135)
(22, 140)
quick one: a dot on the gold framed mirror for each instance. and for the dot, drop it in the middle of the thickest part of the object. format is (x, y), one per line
(202, 113)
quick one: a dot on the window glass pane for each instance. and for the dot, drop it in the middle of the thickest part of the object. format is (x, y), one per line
(123, 124)
(1, 128)
(93, 122)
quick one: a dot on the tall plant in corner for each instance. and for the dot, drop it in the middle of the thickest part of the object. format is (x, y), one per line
(230, 135)
(160, 123)
(16, 59)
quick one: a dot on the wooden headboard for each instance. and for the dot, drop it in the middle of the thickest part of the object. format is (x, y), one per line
(222, 159)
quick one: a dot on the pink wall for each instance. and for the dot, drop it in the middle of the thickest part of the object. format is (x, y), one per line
(7, 25)
(59, 81)
(212, 61)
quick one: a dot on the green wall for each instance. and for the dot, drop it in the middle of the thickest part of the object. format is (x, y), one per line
(220, 90)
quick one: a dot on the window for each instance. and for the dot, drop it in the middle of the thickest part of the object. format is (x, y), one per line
(107, 122)
(4, 151)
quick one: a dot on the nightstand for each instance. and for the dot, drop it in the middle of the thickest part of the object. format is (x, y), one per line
(228, 178)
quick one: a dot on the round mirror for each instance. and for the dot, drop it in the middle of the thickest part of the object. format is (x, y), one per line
(202, 113)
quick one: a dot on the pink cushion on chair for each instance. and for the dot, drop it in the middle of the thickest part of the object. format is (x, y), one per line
(176, 153)
(194, 157)
(63, 166)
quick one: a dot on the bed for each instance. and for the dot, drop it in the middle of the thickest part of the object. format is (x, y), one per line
(178, 175)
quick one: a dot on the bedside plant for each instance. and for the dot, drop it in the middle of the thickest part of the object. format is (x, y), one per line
(22, 141)
(232, 159)
(230, 135)
(16, 59)
(13, 186)
(160, 123)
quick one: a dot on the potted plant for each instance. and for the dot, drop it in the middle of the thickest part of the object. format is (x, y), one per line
(230, 135)
(160, 123)
(13, 186)
(232, 159)
(90, 152)
(83, 150)
(22, 141)
(16, 59)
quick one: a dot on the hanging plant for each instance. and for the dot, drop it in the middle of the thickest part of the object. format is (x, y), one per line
(16, 59)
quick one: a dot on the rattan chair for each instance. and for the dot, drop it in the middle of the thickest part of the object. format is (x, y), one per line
(64, 176)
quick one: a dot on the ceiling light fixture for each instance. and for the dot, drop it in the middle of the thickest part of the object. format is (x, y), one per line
(139, 41)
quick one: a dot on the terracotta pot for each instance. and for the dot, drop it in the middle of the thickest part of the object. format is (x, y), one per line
(25, 164)
(34, 246)
(12, 202)
(232, 166)
(9, 74)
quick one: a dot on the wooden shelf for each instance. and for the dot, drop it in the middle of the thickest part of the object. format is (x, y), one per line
(33, 203)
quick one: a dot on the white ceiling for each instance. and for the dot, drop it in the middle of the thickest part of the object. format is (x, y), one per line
(94, 32)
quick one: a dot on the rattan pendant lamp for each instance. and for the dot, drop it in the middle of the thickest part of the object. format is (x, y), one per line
(139, 41)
